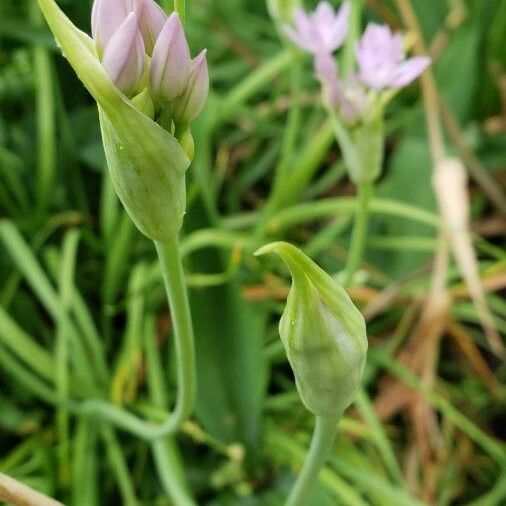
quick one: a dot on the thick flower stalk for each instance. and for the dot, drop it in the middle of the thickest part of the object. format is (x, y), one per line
(325, 340)
(148, 90)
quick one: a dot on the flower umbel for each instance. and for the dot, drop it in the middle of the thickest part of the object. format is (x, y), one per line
(382, 62)
(147, 163)
(356, 101)
(126, 33)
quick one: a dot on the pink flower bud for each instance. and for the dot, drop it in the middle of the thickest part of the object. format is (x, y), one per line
(151, 20)
(124, 56)
(106, 17)
(190, 105)
(171, 61)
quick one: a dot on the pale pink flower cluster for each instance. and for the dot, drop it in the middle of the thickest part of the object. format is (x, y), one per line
(380, 58)
(140, 47)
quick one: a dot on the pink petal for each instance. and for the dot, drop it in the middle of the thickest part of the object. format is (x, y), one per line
(151, 20)
(323, 13)
(340, 26)
(124, 56)
(408, 71)
(297, 38)
(106, 17)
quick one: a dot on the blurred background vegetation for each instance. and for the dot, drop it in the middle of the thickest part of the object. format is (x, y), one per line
(426, 429)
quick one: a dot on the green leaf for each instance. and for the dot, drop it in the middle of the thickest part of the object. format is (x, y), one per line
(410, 163)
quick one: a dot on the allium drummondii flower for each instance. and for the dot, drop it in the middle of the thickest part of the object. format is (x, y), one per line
(356, 101)
(151, 20)
(170, 66)
(382, 62)
(124, 56)
(322, 31)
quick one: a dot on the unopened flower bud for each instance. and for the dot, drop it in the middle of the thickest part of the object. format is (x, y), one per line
(106, 17)
(171, 61)
(151, 20)
(323, 333)
(124, 56)
(190, 105)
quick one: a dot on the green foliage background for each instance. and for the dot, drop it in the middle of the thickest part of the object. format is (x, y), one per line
(72, 262)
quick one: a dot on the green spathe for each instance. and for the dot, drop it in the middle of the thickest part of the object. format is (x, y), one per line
(147, 164)
(323, 333)
(282, 10)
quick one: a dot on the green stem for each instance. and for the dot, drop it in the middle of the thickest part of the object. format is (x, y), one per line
(321, 446)
(165, 453)
(167, 461)
(348, 58)
(173, 276)
(358, 239)
(180, 8)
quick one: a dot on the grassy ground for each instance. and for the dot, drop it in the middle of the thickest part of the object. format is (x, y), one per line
(77, 278)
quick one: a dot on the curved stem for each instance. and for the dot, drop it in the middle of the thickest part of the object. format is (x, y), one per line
(173, 275)
(358, 239)
(321, 446)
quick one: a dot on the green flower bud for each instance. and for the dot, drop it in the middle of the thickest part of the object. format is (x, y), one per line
(146, 163)
(323, 333)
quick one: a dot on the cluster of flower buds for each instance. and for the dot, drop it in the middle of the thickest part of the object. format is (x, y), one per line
(380, 57)
(141, 48)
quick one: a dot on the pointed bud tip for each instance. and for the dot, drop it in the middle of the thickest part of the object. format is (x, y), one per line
(124, 56)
